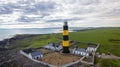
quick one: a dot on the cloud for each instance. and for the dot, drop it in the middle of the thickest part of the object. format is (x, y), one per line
(113, 13)
(50, 13)
(26, 19)
(42, 8)
(89, 2)
(5, 9)
(63, 20)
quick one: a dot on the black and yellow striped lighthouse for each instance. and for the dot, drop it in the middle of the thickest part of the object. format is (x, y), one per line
(65, 39)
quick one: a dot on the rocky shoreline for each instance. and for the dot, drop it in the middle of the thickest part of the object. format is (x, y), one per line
(9, 53)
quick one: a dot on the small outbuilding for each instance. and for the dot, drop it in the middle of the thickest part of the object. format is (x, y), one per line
(28, 50)
(54, 46)
(91, 48)
(80, 51)
(36, 55)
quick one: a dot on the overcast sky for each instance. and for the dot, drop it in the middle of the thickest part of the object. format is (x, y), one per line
(52, 13)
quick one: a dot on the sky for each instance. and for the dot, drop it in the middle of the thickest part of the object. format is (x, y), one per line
(52, 13)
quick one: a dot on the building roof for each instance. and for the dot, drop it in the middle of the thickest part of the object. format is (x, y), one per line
(81, 50)
(93, 46)
(28, 50)
(54, 46)
(36, 53)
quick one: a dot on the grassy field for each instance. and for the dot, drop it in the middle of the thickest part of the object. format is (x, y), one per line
(109, 39)
(109, 63)
(102, 36)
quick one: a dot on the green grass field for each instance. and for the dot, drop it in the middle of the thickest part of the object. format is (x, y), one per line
(102, 36)
(109, 63)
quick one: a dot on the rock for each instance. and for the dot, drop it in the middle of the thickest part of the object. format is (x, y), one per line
(11, 57)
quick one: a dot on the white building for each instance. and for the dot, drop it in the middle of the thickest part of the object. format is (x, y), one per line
(36, 55)
(54, 46)
(91, 48)
(80, 51)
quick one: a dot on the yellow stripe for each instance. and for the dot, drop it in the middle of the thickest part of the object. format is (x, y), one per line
(65, 32)
(65, 43)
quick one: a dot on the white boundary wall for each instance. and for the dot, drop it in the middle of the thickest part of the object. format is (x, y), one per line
(66, 65)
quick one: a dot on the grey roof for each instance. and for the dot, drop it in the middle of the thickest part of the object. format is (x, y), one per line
(81, 50)
(28, 50)
(93, 46)
(36, 53)
(54, 46)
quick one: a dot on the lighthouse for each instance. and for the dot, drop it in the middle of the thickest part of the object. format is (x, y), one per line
(65, 44)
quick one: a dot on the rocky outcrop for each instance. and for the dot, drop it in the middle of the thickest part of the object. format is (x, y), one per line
(10, 57)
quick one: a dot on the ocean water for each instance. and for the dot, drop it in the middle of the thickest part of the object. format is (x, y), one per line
(8, 33)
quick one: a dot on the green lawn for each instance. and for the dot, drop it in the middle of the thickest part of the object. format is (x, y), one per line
(41, 40)
(101, 36)
(109, 63)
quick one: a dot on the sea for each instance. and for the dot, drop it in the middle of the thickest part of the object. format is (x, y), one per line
(6, 33)
(9, 33)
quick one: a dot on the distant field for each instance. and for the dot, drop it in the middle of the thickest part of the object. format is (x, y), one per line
(109, 38)
(109, 63)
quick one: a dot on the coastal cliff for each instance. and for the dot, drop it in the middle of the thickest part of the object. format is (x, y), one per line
(9, 53)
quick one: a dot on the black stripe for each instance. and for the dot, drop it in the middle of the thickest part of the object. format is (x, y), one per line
(65, 27)
(66, 50)
(65, 37)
